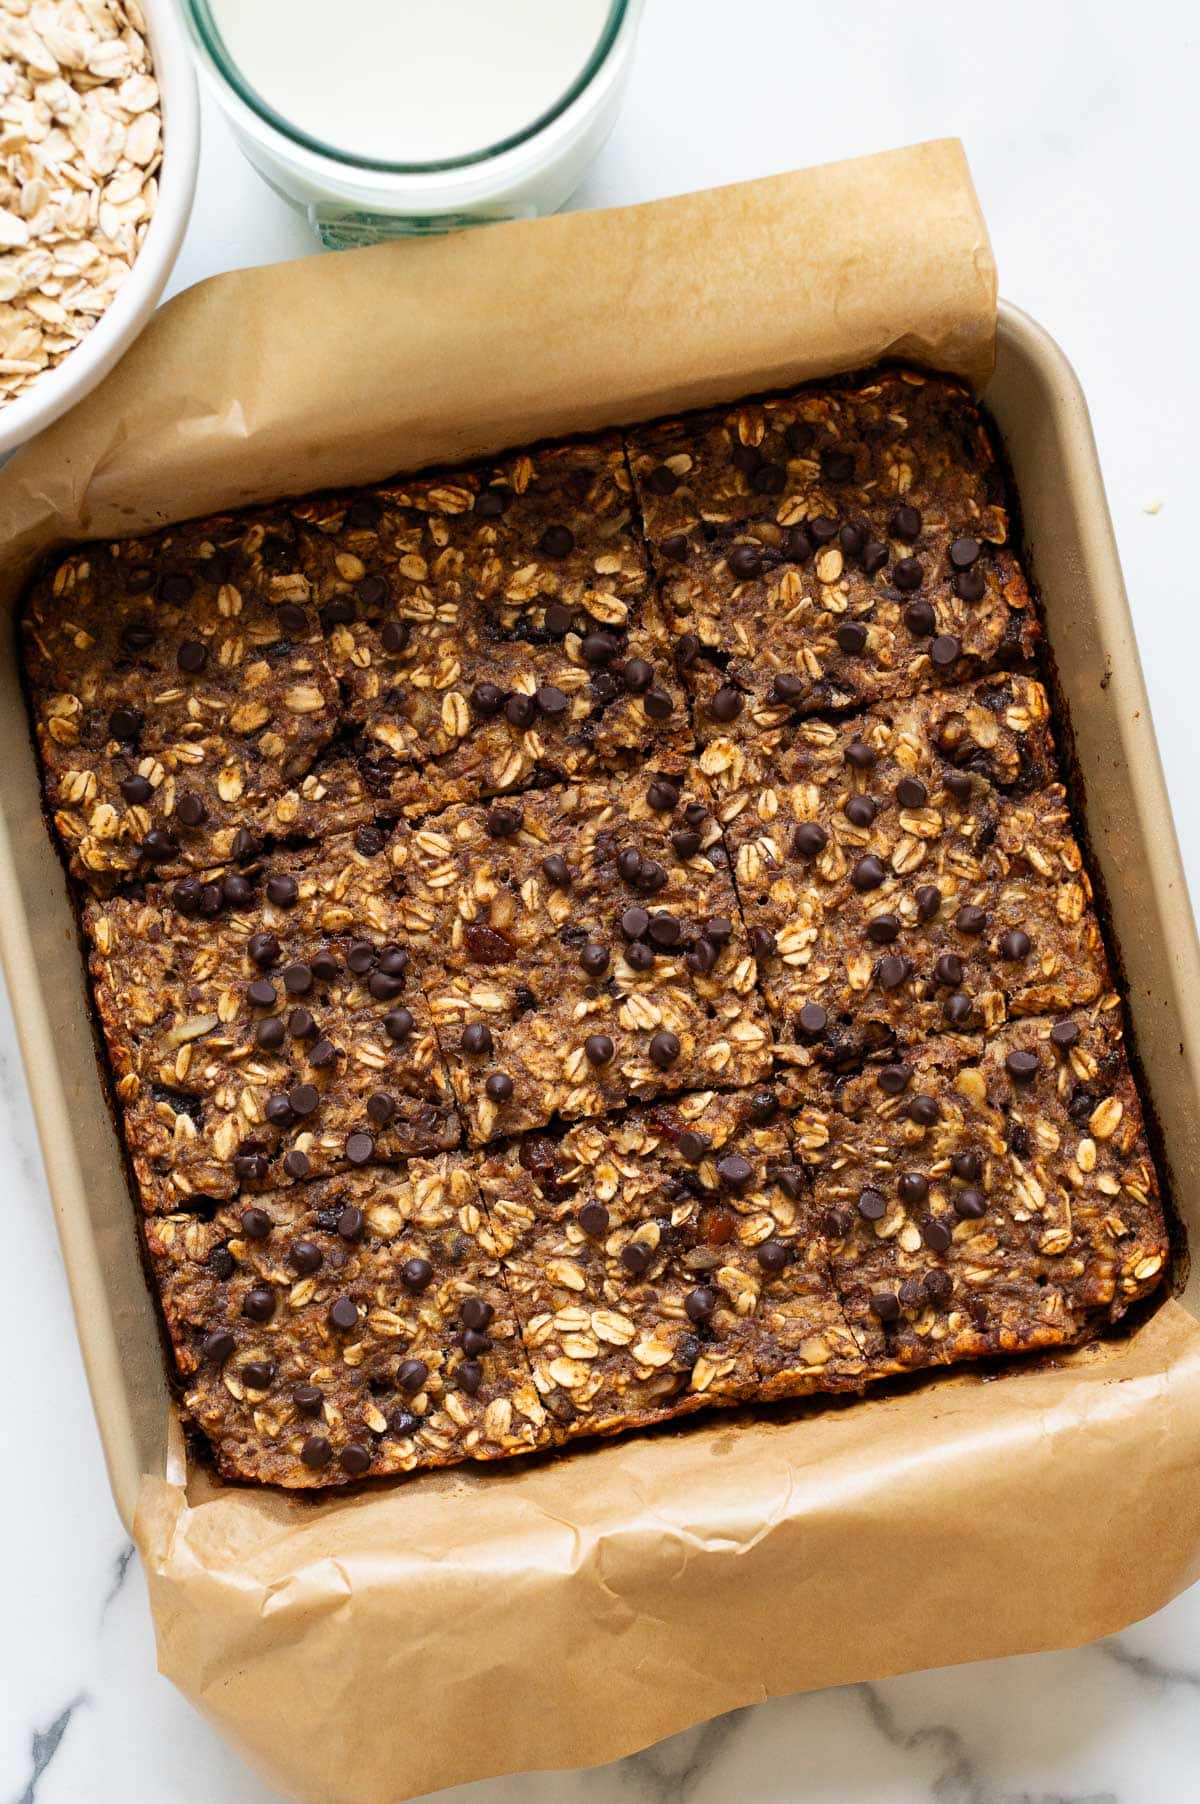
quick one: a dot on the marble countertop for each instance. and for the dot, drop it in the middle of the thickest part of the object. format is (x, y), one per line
(1080, 123)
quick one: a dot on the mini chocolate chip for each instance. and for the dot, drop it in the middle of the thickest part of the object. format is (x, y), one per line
(487, 699)
(893, 971)
(502, 823)
(499, 1087)
(218, 1346)
(883, 929)
(269, 1033)
(557, 542)
(551, 700)
(958, 782)
(945, 650)
(969, 585)
(809, 839)
(913, 1293)
(773, 1255)
(635, 923)
(920, 619)
(186, 895)
(594, 959)
(837, 465)
(788, 690)
(380, 1108)
(726, 704)
(936, 1235)
(860, 811)
(476, 1312)
(692, 1145)
(491, 503)
(735, 1171)
(662, 796)
(968, 1166)
(1021, 1066)
(948, 970)
(797, 546)
(296, 1164)
(398, 1024)
(700, 1303)
(851, 636)
(256, 1224)
(297, 980)
(964, 552)
(520, 711)
(873, 557)
(354, 1459)
(263, 949)
(821, 529)
(970, 1204)
(136, 790)
(411, 1375)
(872, 1205)
(559, 619)
(308, 1399)
(719, 929)
(221, 1263)
(629, 863)
(908, 574)
(913, 1187)
(762, 942)
(924, 1110)
(317, 1451)
(745, 561)
(637, 675)
(260, 993)
(283, 892)
(929, 901)
(593, 1219)
(469, 1376)
(350, 1222)
(323, 1054)
(685, 843)
(1064, 1034)
(664, 1049)
(192, 656)
(905, 522)
(159, 845)
(300, 1024)
(893, 1080)
(303, 1098)
(861, 755)
(598, 1049)
(970, 919)
(764, 1106)
(359, 1148)
(237, 890)
(852, 537)
(662, 480)
(1015, 946)
(911, 793)
(125, 723)
(664, 930)
(306, 1256)
(868, 873)
(812, 1019)
(343, 1314)
(675, 547)
(886, 1305)
(416, 1274)
(258, 1305)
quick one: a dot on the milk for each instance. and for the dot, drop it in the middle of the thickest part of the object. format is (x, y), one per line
(410, 81)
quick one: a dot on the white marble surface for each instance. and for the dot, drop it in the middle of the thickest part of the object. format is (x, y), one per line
(1080, 122)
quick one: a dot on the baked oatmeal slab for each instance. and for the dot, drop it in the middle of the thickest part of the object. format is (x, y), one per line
(347, 1328)
(863, 526)
(581, 949)
(664, 1259)
(266, 1026)
(985, 1199)
(913, 871)
(494, 627)
(183, 703)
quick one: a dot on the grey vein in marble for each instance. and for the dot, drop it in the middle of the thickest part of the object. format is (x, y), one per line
(1155, 1672)
(649, 1773)
(120, 1572)
(45, 1745)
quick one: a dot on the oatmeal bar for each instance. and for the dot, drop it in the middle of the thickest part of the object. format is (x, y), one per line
(831, 547)
(494, 627)
(266, 1026)
(986, 1202)
(665, 1259)
(183, 703)
(581, 949)
(914, 871)
(351, 1327)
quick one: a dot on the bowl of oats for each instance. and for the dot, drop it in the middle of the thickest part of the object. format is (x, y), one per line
(99, 143)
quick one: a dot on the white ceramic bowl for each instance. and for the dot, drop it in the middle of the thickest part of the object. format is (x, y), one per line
(60, 388)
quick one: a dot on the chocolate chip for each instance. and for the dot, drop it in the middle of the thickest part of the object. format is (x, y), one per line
(1015, 946)
(852, 537)
(719, 929)
(735, 1171)
(398, 1024)
(598, 1049)
(929, 901)
(726, 704)
(238, 891)
(913, 1293)
(401, 1422)
(551, 700)
(359, 1148)
(557, 542)
(297, 980)
(354, 1459)
(861, 755)
(764, 1106)
(499, 1087)
(351, 1222)
(964, 552)
(945, 650)
(343, 1314)
(634, 923)
(893, 1080)
(886, 1305)
(380, 1108)
(893, 971)
(221, 1263)
(594, 959)
(883, 929)
(477, 1312)
(773, 1255)
(821, 529)
(851, 636)
(637, 675)
(520, 711)
(675, 547)
(905, 522)
(948, 970)
(970, 919)
(411, 1375)
(797, 546)
(316, 1452)
(502, 823)
(487, 699)
(159, 845)
(809, 839)
(873, 557)
(837, 465)
(958, 782)
(787, 690)
(762, 942)
(923, 1110)
(799, 437)
(957, 1008)
(306, 1256)
(218, 1346)
(300, 1024)
(913, 1187)
(176, 588)
(323, 1054)
(636, 1257)
(920, 619)
(969, 585)
(911, 793)
(593, 1219)
(491, 503)
(416, 1274)
(629, 863)
(283, 892)
(559, 619)
(1021, 1066)
(191, 656)
(260, 993)
(664, 1049)
(868, 873)
(662, 796)
(258, 1305)
(970, 1204)
(872, 1205)
(664, 930)
(469, 1376)
(685, 843)
(662, 480)
(269, 1033)
(745, 561)
(264, 950)
(812, 1019)
(136, 790)
(1064, 1035)
(860, 811)
(968, 1166)
(908, 574)
(308, 1399)
(125, 723)
(700, 1303)
(296, 1164)
(370, 841)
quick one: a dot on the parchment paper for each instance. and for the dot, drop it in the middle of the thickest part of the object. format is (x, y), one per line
(372, 1647)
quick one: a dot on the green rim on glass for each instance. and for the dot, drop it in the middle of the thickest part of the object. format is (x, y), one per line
(205, 26)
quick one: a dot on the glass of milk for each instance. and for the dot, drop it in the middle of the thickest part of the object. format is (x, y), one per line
(386, 118)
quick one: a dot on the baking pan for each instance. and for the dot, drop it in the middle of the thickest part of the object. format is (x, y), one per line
(1042, 416)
